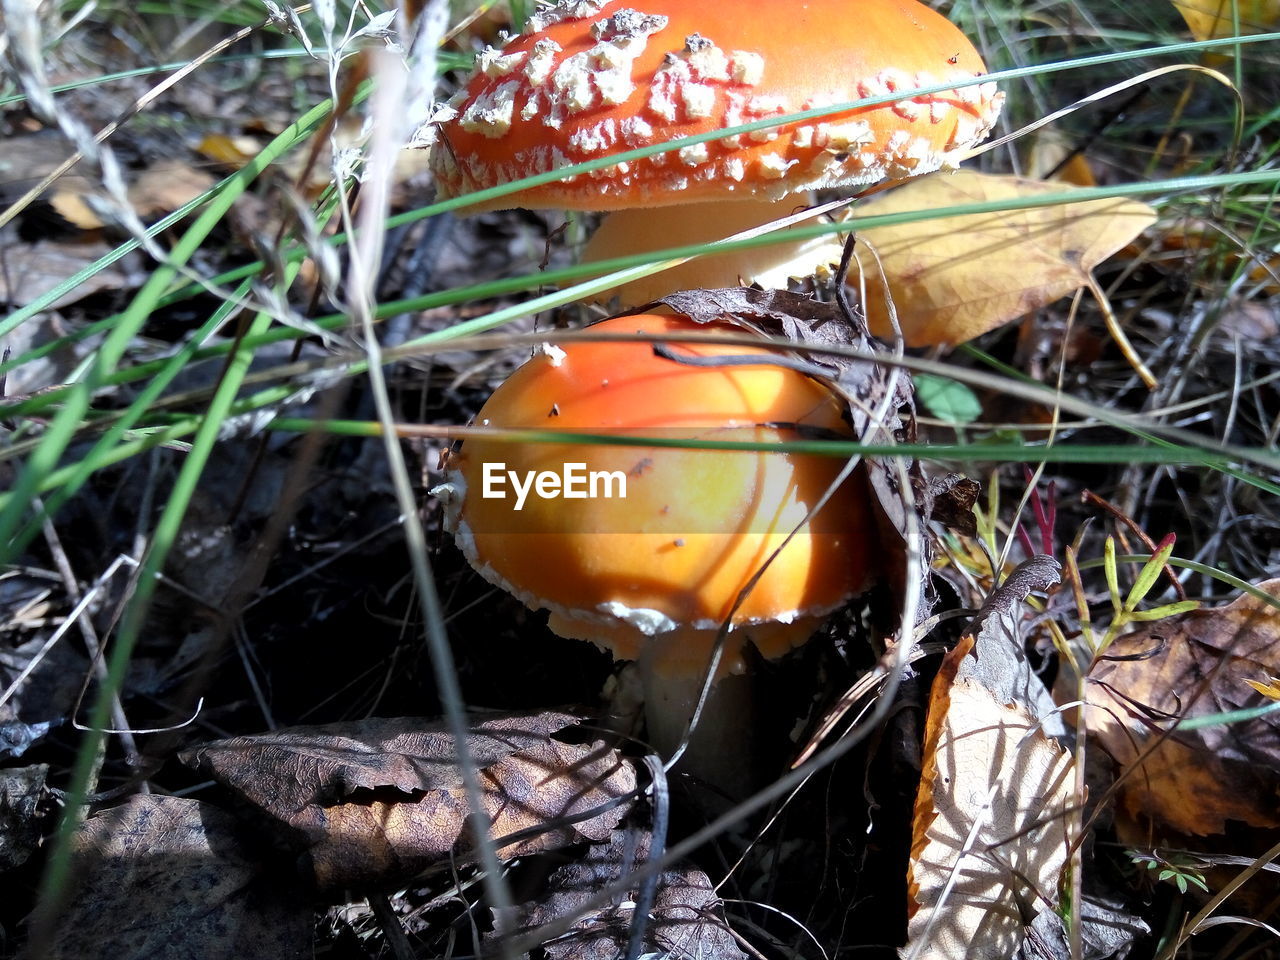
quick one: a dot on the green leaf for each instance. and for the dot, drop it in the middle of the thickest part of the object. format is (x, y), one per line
(949, 401)
(1112, 571)
(1168, 610)
(1150, 573)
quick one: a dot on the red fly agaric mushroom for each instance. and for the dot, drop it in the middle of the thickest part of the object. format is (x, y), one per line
(590, 78)
(643, 549)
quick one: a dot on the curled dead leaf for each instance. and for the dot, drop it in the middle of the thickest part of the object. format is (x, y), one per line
(990, 832)
(375, 802)
(1190, 666)
(686, 919)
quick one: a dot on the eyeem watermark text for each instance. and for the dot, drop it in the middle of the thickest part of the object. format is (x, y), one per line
(573, 482)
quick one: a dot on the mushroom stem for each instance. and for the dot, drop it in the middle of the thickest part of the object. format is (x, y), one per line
(728, 749)
(722, 755)
(646, 230)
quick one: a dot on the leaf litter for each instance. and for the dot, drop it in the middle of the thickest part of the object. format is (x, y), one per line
(23, 800)
(1199, 665)
(686, 919)
(994, 817)
(991, 832)
(373, 804)
(167, 877)
(365, 784)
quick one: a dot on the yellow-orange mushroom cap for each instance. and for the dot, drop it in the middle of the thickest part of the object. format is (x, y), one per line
(654, 573)
(590, 78)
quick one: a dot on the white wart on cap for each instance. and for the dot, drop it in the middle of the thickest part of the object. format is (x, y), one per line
(592, 78)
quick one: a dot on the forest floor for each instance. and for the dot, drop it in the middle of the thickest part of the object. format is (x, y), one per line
(221, 638)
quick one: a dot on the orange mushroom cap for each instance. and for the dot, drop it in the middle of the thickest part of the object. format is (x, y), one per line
(661, 567)
(591, 78)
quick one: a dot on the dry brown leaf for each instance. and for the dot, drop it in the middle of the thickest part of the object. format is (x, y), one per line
(990, 831)
(1250, 321)
(1202, 250)
(28, 158)
(22, 795)
(953, 498)
(1194, 665)
(166, 187)
(157, 190)
(1211, 19)
(686, 919)
(376, 802)
(174, 878)
(30, 270)
(954, 278)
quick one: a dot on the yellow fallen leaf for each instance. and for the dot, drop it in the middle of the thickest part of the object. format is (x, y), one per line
(1269, 689)
(954, 278)
(69, 203)
(166, 187)
(1211, 19)
(1053, 156)
(229, 151)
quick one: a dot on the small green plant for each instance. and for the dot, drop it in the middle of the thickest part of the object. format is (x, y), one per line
(1180, 869)
(1124, 606)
